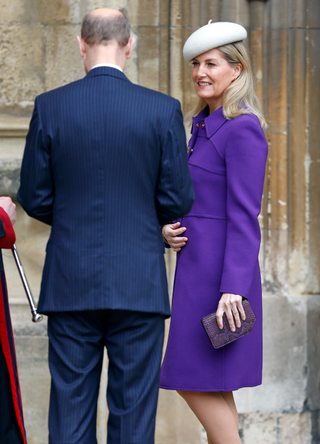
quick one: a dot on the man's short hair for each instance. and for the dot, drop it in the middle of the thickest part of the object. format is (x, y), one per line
(101, 30)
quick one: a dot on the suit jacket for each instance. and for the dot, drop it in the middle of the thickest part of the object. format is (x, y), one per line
(105, 164)
(7, 239)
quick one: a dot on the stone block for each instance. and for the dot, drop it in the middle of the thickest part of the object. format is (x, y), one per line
(164, 57)
(213, 11)
(315, 419)
(285, 428)
(144, 12)
(176, 64)
(13, 126)
(22, 324)
(116, 4)
(313, 352)
(235, 11)
(56, 12)
(164, 12)
(32, 357)
(176, 14)
(12, 140)
(297, 14)
(22, 65)
(176, 423)
(313, 75)
(43, 11)
(258, 428)
(295, 428)
(313, 14)
(190, 98)
(11, 11)
(192, 15)
(286, 362)
(149, 57)
(279, 14)
(9, 176)
(52, 12)
(132, 67)
(63, 61)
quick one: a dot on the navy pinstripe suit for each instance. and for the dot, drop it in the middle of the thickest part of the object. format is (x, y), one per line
(104, 164)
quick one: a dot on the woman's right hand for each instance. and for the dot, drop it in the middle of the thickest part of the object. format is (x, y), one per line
(9, 207)
(171, 234)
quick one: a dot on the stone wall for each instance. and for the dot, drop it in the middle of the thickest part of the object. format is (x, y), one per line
(38, 51)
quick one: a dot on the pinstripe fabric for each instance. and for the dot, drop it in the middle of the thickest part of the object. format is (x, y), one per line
(134, 343)
(105, 164)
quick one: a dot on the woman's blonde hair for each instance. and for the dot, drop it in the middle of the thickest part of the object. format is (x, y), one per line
(240, 97)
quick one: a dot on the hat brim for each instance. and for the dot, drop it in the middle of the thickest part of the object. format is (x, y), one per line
(212, 36)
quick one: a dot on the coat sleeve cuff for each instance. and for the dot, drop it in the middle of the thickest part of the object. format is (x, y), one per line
(230, 291)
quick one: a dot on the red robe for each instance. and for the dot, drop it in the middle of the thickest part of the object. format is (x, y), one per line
(7, 239)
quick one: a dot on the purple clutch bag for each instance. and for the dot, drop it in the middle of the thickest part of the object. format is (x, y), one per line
(219, 338)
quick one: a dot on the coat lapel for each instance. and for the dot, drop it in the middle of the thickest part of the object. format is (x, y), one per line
(214, 122)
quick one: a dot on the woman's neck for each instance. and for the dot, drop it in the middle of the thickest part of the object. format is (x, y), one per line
(213, 109)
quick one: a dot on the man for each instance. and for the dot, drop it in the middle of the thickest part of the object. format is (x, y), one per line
(11, 418)
(105, 164)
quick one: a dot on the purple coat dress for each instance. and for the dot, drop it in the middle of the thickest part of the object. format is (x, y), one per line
(227, 161)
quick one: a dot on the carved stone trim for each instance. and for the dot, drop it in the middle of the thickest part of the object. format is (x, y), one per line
(14, 126)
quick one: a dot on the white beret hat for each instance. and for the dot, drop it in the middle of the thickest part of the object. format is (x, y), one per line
(211, 36)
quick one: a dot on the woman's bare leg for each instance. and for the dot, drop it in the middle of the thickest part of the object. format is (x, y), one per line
(216, 414)
(209, 440)
(228, 396)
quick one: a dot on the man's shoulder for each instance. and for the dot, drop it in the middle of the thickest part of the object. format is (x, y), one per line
(156, 95)
(151, 95)
(61, 90)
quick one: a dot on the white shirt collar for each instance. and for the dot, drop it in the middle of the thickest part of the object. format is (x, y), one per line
(108, 65)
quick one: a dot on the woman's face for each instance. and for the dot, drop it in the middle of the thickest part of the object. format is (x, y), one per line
(211, 75)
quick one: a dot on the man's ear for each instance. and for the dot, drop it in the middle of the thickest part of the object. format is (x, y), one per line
(81, 46)
(129, 47)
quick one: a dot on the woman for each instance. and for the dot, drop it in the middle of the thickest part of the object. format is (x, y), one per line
(218, 241)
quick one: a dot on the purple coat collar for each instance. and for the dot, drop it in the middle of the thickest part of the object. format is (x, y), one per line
(212, 121)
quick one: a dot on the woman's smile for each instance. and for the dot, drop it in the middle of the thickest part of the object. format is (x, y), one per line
(212, 75)
(203, 84)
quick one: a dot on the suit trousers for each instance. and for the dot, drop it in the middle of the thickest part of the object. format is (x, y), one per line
(134, 342)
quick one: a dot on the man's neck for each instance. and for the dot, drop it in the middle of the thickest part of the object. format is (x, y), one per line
(108, 65)
(100, 54)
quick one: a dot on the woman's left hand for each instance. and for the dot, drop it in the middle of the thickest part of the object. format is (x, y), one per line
(231, 305)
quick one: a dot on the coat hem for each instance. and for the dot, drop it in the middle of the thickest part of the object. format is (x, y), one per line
(225, 389)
